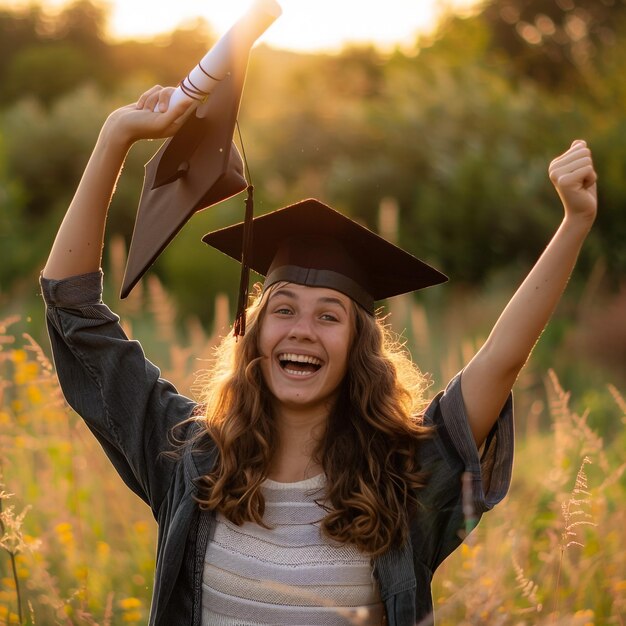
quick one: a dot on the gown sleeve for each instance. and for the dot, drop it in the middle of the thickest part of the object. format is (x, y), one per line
(109, 382)
(464, 482)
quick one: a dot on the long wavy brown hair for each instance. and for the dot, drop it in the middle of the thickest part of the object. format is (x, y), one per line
(369, 450)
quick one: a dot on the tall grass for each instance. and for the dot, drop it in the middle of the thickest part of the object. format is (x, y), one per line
(550, 553)
(76, 547)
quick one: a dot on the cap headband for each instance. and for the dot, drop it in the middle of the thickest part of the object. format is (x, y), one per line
(321, 278)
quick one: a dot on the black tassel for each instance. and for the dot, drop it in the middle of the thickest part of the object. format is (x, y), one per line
(239, 327)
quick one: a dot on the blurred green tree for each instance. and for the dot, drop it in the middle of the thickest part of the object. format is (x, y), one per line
(558, 43)
(13, 228)
(47, 70)
(19, 30)
(45, 56)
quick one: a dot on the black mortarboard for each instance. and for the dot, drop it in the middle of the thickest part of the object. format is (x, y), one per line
(196, 168)
(311, 244)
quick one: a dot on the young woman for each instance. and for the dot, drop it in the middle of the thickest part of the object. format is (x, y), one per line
(310, 487)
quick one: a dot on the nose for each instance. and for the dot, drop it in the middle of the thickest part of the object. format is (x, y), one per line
(302, 328)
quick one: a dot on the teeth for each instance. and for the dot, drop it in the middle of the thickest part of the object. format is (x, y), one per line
(299, 358)
(297, 372)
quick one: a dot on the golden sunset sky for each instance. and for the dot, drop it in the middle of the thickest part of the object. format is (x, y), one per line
(306, 25)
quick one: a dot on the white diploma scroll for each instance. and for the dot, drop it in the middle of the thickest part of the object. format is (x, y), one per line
(214, 66)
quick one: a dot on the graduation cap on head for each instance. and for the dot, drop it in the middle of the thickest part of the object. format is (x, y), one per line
(200, 165)
(309, 243)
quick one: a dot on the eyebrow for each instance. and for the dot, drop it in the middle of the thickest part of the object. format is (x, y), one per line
(282, 291)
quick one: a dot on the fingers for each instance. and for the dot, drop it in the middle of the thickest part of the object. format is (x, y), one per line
(577, 149)
(156, 98)
(584, 176)
(179, 108)
(167, 120)
(150, 96)
(578, 165)
(574, 178)
(175, 116)
(575, 164)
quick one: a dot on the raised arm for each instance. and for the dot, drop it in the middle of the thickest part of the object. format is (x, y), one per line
(77, 248)
(489, 376)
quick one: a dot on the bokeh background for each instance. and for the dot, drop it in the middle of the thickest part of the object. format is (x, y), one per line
(441, 142)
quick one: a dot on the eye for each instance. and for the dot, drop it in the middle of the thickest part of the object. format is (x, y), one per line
(329, 317)
(283, 310)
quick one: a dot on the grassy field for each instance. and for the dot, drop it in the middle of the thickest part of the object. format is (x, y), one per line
(77, 547)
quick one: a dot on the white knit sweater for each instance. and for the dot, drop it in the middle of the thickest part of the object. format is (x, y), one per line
(290, 574)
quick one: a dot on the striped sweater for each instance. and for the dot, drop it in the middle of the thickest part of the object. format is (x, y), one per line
(288, 574)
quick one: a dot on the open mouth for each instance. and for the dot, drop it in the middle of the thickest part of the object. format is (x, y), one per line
(299, 364)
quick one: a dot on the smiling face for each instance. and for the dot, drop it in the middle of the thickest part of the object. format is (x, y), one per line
(305, 336)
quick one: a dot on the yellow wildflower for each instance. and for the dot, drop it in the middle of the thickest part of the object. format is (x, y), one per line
(34, 394)
(64, 533)
(63, 527)
(103, 550)
(81, 572)
(130, 603)
(25, 373)
(18, 356)
(132, 616)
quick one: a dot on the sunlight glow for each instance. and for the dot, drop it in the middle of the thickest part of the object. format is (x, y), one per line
(304, 25)
(311, 25)
(307, 25)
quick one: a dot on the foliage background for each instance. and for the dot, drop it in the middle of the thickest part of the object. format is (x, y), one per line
(451, 141)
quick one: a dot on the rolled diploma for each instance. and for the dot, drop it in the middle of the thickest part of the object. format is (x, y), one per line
(241, 36)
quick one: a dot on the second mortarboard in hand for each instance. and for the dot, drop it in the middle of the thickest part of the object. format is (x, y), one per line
(196, 168)
(309, 243)
(200, 165)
